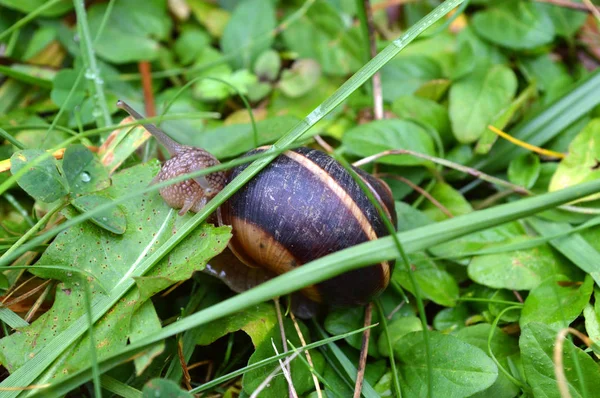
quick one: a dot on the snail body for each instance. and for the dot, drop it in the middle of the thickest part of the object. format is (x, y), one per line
(304, 205)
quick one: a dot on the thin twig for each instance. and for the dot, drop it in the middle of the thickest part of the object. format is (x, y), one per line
(146, 73)
(377, 95)
(468, 170)
(593, 9)
(569, 4)
(559, 371)
(308, 357)
(420, 190)
(28, 294)
(38, 303)
(364, 350)
(270, 377)
(186, 374)
(323, 143)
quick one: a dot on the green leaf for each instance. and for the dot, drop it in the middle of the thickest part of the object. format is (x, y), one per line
(164, 388)
(459, 369)
(112, 220)
(582, 162)
(43, 181)
(267, 65)
(477, 98)
(592, 320)
(524, 170)
(111, 259)
(63, 85)
(517, 270)
(426, 111)
(312, 37)
(515, 24)
(300, 78)
(435, 283)
(382, 135)
(556, 304)
(503, 346)
(537, 344)
(132, 30)
(190, 44)
(345, 320)
(257, 322)
(405, 75)
(451, 319)
(248, 32)
(566, 21)
(450, 198)
(83, 171)
(397, 329)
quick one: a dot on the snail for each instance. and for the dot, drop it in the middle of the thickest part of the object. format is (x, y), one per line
(302, 206)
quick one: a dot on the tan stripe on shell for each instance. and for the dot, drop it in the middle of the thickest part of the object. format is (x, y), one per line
(348, 202)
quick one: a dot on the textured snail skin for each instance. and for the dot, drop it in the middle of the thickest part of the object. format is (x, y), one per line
(190, 194)
(303, 206)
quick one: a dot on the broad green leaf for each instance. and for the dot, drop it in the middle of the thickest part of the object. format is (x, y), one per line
(451, 319)
(515, 24)
(556, 302)
(405, 75)
(314, 34)
(549, 76)
(450, 198)
(435, 283)
(257, 322)
(145, 322)
(132, 30)
(566, 21)
(524, 170)
(83, 171)
(300, 78)
(382, 135)
(41, 38)
(247, 34)
(267, 65)
(477, 98)
(537, 344)
(426, 111)
(63, 85)
(459, 369)
(517, 270)
(111, 259)
(397, 329)
(27, 6)
(190, 44)
(502, 346)
(164, 388)
(479, 240)
(278, 386)
(592, 320)
(582, 162)
(43, 181)
(112, 220)
(409, 217)
(344, 320)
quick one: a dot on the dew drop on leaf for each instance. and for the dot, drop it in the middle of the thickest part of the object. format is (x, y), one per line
(85, 176)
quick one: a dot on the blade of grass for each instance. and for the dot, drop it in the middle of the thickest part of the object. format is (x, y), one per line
(545, 125)
(384, 325)
(89, 58)
(12, 319)
(324, 268)
(572, 246)
(349, 368)
(28, 18)
(121, 389)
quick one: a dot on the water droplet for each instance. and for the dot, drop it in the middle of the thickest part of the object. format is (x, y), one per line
(69, 274)
(104, 219)
(85, 176)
